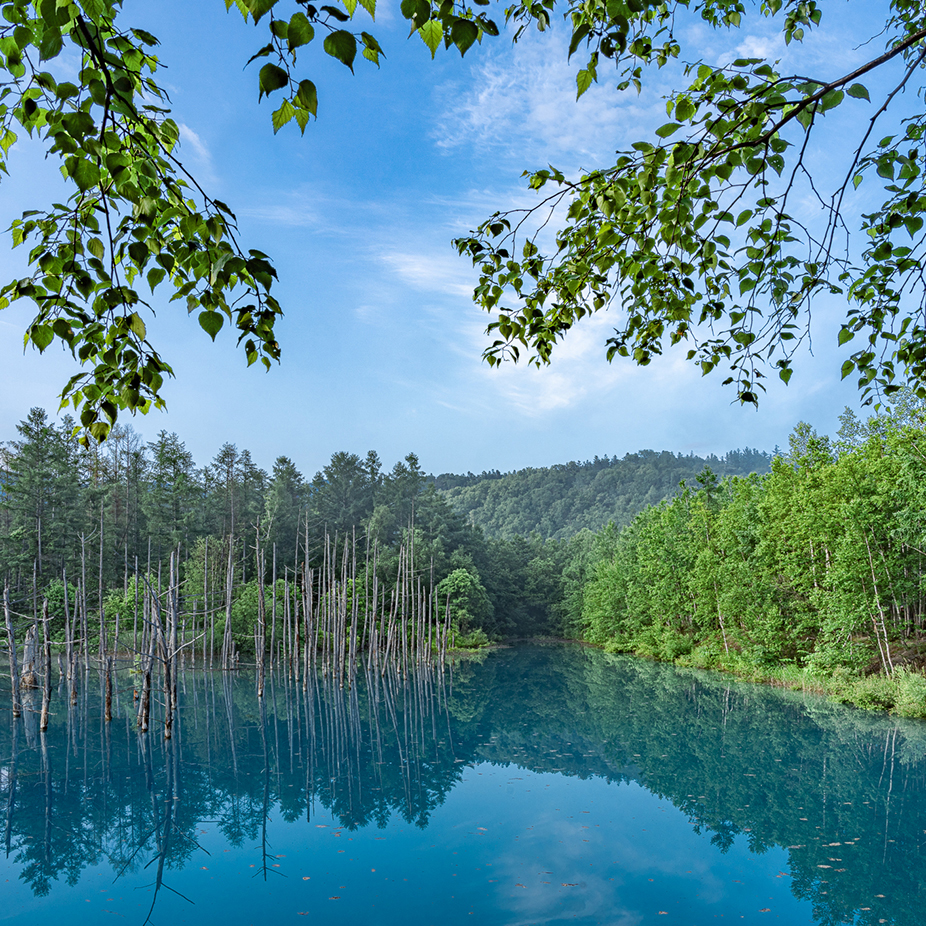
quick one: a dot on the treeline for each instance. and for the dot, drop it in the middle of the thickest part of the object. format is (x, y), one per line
(817, 565)
(559, 501)
(94, 525)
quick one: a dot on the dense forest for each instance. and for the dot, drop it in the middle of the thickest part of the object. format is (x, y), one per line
(811, 574)
(97, 517)
(559, 501)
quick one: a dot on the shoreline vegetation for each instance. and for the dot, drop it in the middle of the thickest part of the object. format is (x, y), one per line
(902, 694)
(811, 576)
(807, 576)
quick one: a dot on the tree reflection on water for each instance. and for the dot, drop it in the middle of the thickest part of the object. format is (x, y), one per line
(780, 768)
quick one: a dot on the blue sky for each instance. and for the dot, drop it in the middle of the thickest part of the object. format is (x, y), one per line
(382, 343)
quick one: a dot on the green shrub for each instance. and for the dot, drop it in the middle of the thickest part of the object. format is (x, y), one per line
(474, 640)
(706, 655)
(675, 644)
(875, 693)
(911, 693)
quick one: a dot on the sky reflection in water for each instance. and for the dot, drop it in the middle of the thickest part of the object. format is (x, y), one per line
(545, 785)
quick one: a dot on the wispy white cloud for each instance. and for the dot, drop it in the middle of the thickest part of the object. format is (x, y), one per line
(760, 46)
(439, 272)
(443, 307)
(202, 160)
(193, 139)
(833, 47)
(290, 215)
(522, 102)
(580, 374)
(326, 209)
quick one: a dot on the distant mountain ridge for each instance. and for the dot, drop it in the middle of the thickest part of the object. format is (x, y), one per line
(559, 501)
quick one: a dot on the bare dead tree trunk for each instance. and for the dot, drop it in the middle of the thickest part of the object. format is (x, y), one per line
(100, 592)
(261, 614)
(135, 618)
(108, 710)
(46, 686)
(28, 677)
(884, 649)
(84, 630)
(227, 640)
(273, 608)
(11, 642)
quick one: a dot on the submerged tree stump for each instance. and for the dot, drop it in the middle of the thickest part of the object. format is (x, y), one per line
(28, 677)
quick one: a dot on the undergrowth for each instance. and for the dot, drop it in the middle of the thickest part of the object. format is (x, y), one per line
(903, 693)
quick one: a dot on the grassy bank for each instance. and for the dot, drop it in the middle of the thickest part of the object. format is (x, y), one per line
(902, 693)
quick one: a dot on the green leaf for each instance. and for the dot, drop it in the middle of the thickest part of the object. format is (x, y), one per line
(845, 335)
(583, 30)
(146, 38)
(307, 97)
(343, 46)
(63, 330)
(300, 31)
(418, 11)
(684, 109)
(271, 78)
(785, 374)
(262, 53)
(886, 167)
(805, 117)
(670, 128)
(99, 430)
(211, 323)
(137, 325)
(335, 13)
(155, 275)
(51, 41)
(859, 91)
(139, 253)
(463, 34)
(283, 115)
(431, 34)
(831, 100)
(84, 172)
(7, 140)
(41, 336)
(371, 49)
(583, 82)
(260, 8)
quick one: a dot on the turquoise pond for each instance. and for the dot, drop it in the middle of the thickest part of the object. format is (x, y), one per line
(534, 784)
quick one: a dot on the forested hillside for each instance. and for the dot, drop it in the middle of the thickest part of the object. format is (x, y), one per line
(559, 501)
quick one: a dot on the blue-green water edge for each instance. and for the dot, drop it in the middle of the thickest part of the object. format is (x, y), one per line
(538, 784)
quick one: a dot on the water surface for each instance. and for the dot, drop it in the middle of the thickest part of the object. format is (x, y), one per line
(542, 784)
